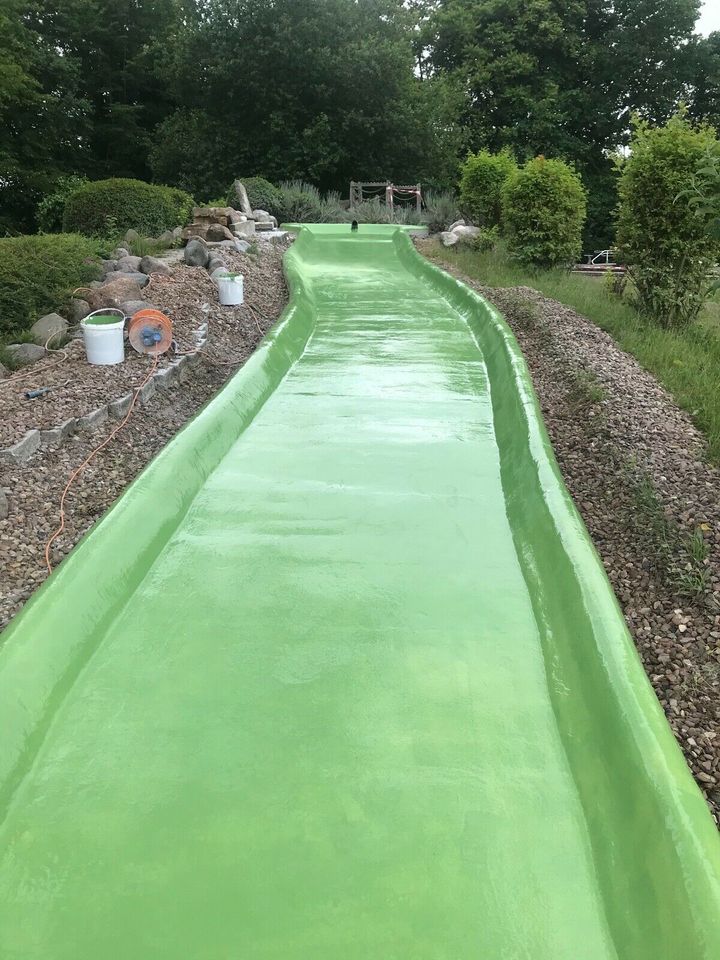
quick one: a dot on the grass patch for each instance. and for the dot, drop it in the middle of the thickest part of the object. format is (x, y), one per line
(686, 362)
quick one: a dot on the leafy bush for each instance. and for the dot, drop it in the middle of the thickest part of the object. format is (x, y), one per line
(299, 202)
(262, 194)
(482, 179)
(38, 274)
(544, 208)
(51, 208)
(486, 240)
(663, 241)
(441, 210)
(104, 207)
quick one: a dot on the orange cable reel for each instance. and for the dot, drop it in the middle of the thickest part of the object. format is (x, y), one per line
(150, 332)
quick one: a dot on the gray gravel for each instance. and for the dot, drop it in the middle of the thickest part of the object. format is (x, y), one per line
(33, 491)
(635, 466)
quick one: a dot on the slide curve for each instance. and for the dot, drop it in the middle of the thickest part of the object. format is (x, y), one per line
(341, 677)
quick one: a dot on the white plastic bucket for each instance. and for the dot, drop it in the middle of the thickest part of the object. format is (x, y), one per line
(230, 289)
(103, 336)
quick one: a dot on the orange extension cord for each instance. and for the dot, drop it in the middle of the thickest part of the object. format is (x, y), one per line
(76, 473)
(78, 470)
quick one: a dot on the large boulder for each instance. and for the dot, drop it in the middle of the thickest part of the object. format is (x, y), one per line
(454, 226)
(26, 352)
(195, 230)
(140, 278)
(177, 232)
(243, 200)
(128, 264)
(217, 232)
(131, 307)
(167, 237)
(107, 265)
(246, 228)
(236, 217)
(116, 292)
(260, 215)
(132, 235)
(242, 246)
(150, 265)
(460, 234)
(120, 252)
(196, 253)
(79, 309)
(51, 325)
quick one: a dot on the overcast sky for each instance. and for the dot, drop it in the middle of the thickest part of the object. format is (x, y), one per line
(709, 17)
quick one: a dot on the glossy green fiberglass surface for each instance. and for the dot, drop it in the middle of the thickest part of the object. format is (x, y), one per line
(341, 676)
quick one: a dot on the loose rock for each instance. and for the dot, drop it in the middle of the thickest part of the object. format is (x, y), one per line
(196, 254)
(79, 309)
(116, 292)
(150, 265)
(128, 264)
(140, 278)
(51, 325)
(26, 352)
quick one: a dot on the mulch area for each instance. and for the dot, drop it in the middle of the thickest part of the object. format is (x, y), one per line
(33, 490)
(635, 466)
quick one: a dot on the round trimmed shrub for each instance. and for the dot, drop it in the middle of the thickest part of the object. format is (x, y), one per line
(481, 182)
(261, 194)
(544, 209)
(38, 274)
(106, 207)
(662, 238)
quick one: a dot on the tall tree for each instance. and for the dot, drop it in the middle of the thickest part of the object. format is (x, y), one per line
(563, 77)
(320, 89)
(42, 115)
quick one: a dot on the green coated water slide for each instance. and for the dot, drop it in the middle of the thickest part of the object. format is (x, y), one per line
(341, 677)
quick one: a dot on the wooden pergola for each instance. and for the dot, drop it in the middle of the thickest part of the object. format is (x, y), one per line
(391, 191)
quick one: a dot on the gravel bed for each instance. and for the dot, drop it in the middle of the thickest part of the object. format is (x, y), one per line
(80, 387)
(33, 491)
(635, 466)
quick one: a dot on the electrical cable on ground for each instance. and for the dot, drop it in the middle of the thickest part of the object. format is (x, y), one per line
(78, 470)
(35, 370)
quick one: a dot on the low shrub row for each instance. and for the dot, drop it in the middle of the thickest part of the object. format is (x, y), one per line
(108, 207)
(38, 274)
(539, 208)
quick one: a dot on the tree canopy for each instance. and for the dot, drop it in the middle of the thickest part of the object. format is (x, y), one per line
(193, 93)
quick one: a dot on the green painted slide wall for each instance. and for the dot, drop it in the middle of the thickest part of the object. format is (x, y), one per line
(467, 761)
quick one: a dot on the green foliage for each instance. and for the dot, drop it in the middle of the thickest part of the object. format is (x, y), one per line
(664, 243)
(441, 210)
(320, 90)
(105, 207)
(299, 202)
(482, 179)
(544, 76)
(262, 194)
(486, 240)
(544, 210)
(38, 274)
(51, 208)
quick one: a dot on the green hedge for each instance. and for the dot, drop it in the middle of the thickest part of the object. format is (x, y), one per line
(38, 274)
(483, 176)
(544, 210)
(261, 194)
(109, 207)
